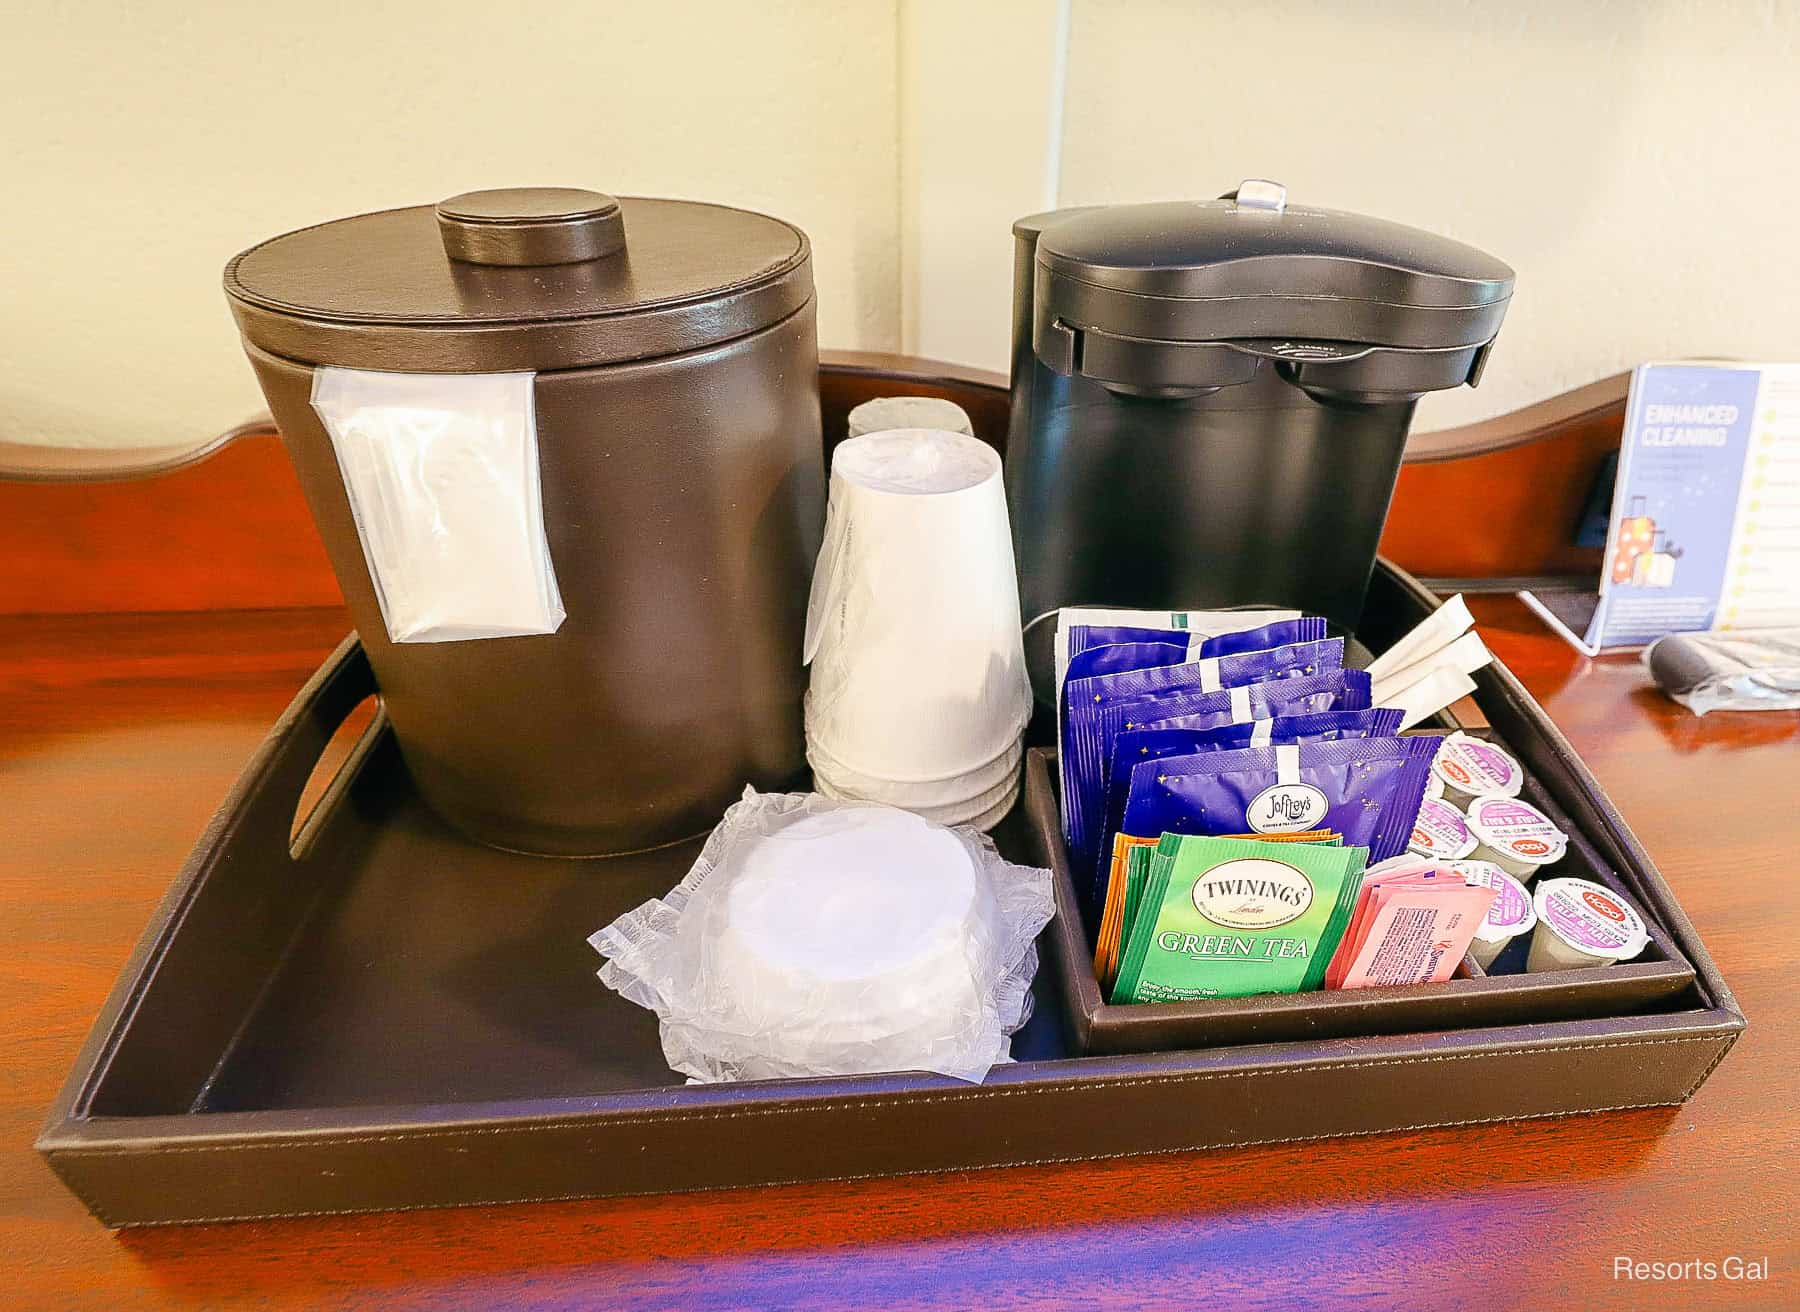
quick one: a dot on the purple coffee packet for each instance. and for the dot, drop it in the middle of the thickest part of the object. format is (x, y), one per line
(1132, 747)
(1103, 705)
(1142, 687)
(1278, 634)
(1352, 690)
(1084, 637)
(1321, 727)
(1366, 789)
(1342, 690)
(1109, 658)
(1084, 695)
(1210, 673)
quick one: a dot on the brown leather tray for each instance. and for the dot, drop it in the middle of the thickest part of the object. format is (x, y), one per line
(382, 1016)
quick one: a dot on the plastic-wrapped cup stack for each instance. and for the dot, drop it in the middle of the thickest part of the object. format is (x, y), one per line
(918, 695)
(885, 414)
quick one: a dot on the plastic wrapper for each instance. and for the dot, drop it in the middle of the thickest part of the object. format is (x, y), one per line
(1756, 670)
(815, 937)
(1367, 790)
(441, 471)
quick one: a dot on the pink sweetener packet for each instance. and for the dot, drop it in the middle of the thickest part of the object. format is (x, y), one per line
(1366, 903)
(1408, 868)
(1417, 933)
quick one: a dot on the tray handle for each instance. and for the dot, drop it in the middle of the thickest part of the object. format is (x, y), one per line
(269, 795)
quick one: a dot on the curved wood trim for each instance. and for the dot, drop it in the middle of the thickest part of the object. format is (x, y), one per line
(889, 367)
(1602, 401)
(1598, 401)
(223, 525)
(25, 462)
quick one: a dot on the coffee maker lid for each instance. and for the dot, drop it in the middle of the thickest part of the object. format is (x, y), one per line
(1251, 265)
(522, 278)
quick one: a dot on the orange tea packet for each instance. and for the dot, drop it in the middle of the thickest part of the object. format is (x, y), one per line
(1112, 918)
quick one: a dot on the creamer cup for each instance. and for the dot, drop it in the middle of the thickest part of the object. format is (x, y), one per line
(1583, 924)
(1471, 767)
(1440, 832)
(1511, 915)
(1515, 836)
(1434, 787)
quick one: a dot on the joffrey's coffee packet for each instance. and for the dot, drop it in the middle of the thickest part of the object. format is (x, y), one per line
(1345, 690)
(1091, 714)
(1368, 790)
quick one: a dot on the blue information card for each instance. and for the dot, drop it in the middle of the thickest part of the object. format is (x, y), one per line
(1705, 524)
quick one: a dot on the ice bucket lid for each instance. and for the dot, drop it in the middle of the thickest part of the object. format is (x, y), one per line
(522, 278)
(1252, 266)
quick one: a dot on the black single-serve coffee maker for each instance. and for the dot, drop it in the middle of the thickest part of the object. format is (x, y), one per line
(1210, 399)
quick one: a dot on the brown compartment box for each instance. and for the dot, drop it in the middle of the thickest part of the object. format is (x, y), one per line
(386, 1016)
(1472, 998)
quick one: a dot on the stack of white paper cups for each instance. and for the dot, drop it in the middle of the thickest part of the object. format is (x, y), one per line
(918, 696)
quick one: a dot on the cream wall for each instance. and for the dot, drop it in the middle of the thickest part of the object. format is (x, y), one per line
(1634, 161)
(145, 143)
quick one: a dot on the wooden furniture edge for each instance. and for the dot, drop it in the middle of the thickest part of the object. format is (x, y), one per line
(48, 463)
(223, 526)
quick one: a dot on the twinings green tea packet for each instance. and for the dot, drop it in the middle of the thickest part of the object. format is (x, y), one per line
(1229, 918)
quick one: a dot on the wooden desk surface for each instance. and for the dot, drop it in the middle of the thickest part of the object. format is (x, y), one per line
(119, 735)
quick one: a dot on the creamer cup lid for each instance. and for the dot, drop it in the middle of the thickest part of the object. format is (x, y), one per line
(1434, 787)
(1472, 765)
(1440, 831)
(1512, 913)
(1517, 830)
(1591, 918)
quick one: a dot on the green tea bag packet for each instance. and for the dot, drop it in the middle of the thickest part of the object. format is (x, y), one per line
(1230, 918)
(1137, 875)
(1144, 903)
(1349, 892)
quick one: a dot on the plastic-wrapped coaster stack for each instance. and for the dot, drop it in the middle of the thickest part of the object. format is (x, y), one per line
(918, 697)
(815, 937)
